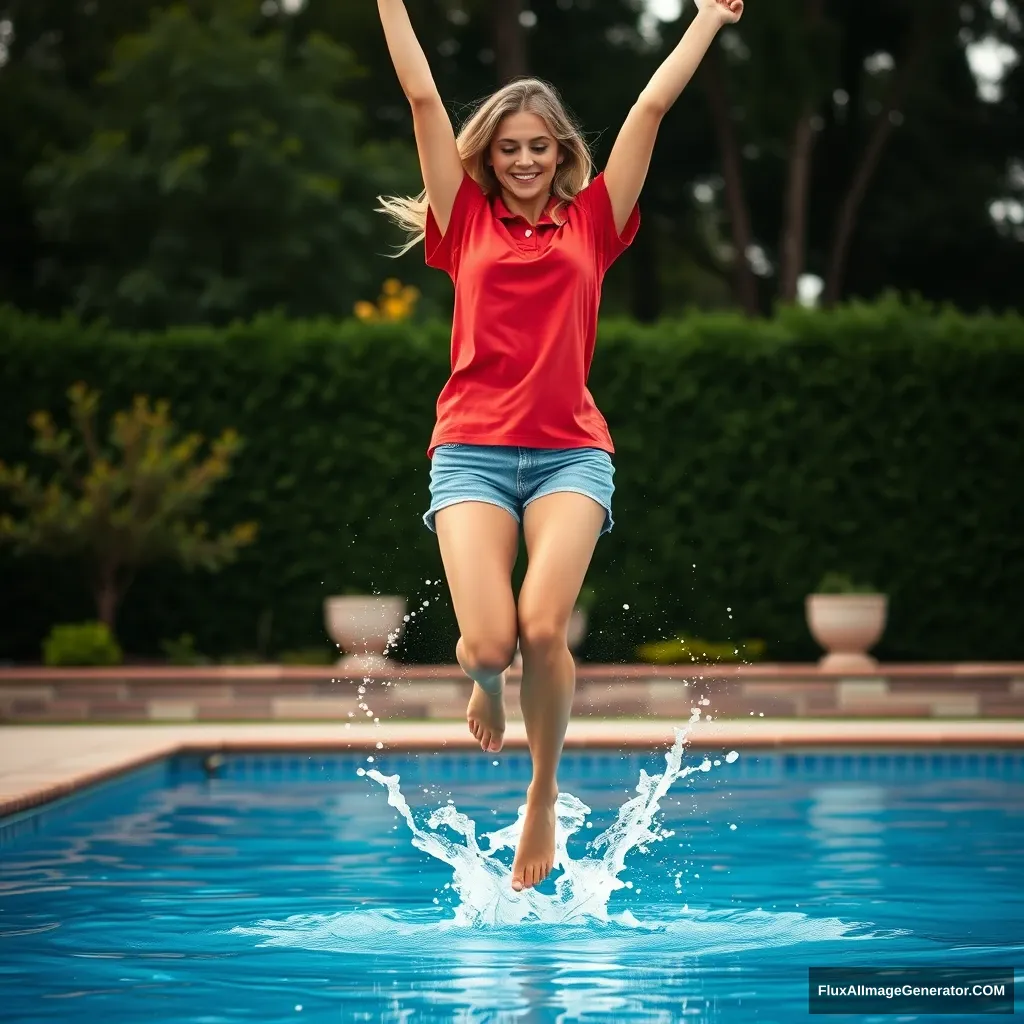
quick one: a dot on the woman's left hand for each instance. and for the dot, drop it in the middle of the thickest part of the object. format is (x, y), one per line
(728, 12)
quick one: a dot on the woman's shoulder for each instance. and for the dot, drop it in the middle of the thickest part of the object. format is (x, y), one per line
(595, 192)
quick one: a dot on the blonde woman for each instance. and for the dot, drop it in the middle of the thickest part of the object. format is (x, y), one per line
(512, 213)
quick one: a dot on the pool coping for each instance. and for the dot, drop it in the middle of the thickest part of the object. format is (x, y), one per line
(40, 764)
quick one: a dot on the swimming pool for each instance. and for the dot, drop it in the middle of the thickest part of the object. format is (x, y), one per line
(285, 888)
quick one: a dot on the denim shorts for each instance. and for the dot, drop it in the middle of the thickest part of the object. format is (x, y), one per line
(512, 477)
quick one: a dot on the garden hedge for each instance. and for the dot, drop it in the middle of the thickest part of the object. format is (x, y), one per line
(885, 441)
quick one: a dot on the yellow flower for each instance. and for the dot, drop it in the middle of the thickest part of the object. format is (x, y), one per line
(396, 302)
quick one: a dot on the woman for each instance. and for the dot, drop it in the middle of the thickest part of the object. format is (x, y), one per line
(510, 212)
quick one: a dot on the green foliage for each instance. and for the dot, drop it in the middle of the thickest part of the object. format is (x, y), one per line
(183, 651)
(120, 506)
(309, 656)
(686, 649)
(222, 177)
(841, 583)
(752, 458)
(84, 643)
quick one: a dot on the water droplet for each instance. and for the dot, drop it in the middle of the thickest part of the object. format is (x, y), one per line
(360, 771)
(426, 602)
(629, 885)
(405, 618)
(298, 1007)
(760, 714)
(731, 756)
(625, 607)
(370, 759)
(495, 763)
(732, 828)
(716, 762)
(369, 714)
(380, 746)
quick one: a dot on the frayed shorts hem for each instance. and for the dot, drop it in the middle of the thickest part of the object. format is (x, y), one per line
(512, 478)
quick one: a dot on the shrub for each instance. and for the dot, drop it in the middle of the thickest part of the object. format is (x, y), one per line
(82, 644)
(752, 457)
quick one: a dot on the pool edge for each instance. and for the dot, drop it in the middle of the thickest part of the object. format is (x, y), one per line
(71, 770)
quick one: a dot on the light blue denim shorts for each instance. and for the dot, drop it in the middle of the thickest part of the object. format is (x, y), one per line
(511, 477)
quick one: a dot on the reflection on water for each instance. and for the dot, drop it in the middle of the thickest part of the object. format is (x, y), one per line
(847, 828)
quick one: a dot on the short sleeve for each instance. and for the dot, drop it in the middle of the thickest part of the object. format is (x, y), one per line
(597, 204)
(442, 251)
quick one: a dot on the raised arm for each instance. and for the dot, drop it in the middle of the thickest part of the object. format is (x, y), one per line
(435, 138)
(631, 155)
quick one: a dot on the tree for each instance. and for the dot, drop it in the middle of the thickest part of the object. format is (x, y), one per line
(123, 505)
(51, 53)
(807, 101)
(509, 40)
(223, 178)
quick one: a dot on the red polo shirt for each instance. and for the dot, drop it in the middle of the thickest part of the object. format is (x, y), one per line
(526, 305)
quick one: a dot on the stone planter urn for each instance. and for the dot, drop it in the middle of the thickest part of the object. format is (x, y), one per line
(364, 626)
(847, 626)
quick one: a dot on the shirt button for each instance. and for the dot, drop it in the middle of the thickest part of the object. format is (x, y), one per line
(528, 232)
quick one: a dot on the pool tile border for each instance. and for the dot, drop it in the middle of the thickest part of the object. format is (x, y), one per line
(39, 764)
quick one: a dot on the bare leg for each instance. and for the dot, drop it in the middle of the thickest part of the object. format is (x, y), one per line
(561, 533)
(479, 543)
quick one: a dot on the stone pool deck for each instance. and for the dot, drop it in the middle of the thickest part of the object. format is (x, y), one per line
(39, 763)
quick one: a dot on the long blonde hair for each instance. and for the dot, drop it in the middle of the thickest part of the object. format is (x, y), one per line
(525, 95)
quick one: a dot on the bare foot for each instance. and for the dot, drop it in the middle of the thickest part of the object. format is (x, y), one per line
(486, 717)
(535, 854)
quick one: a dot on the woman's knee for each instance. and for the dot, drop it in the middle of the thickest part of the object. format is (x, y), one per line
(486, 655)
(542, 630)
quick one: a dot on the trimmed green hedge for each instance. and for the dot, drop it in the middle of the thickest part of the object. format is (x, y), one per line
(753, 457)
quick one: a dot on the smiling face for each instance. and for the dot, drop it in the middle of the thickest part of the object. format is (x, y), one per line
(524, 156)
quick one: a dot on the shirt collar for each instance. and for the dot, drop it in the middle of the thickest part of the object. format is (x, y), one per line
(502, 212)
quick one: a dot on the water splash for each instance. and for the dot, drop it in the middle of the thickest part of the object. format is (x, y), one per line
(582, 891)
(422, 934)
(574, 921)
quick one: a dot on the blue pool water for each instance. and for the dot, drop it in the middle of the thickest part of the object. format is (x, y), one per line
(285, 888)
